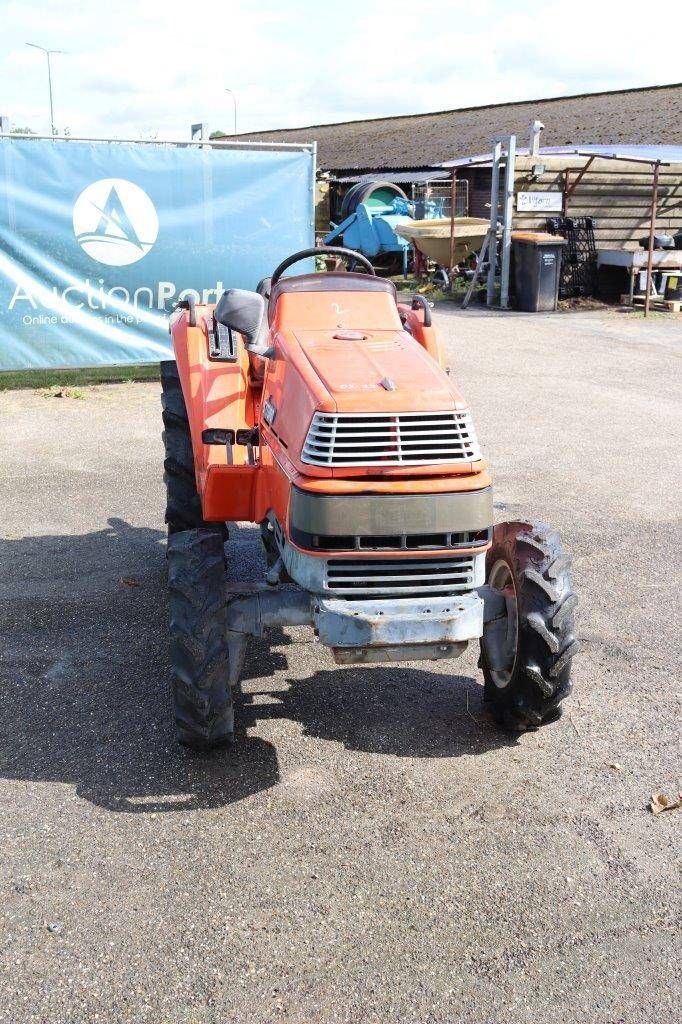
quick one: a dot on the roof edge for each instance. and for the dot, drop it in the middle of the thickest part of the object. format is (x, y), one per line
(454, 110)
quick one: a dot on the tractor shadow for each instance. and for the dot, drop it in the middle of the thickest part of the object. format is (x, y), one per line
(84, 677)
(396, 711)
(85, 697)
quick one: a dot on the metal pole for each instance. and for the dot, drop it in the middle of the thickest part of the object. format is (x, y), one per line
(314, 187)
(453, 192)
(234, 104)
(49, 85)
(652, 229)
(494, 198)
(507, 217)
(48, 54)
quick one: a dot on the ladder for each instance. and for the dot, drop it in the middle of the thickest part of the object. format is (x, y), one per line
(488, 251)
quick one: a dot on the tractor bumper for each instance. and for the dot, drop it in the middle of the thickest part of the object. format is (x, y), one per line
(386, 630)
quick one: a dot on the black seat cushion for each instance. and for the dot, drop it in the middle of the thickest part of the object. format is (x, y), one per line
(241, 311)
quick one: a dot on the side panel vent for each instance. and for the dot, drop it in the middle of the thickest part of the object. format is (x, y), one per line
(222, 343)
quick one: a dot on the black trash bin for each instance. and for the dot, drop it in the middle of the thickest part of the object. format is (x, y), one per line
(537, 266)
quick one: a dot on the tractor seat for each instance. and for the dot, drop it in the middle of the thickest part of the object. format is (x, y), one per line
(245, 312)
(256, 362)
(333, 282)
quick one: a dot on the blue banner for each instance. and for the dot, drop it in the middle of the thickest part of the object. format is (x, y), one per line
(99, 240)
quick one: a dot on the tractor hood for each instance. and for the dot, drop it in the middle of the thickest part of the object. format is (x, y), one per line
(377, 371)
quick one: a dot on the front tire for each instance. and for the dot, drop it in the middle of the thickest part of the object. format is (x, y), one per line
(526, 654)
(198, 639)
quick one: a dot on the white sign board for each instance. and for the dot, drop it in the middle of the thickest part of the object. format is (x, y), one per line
(543, 202)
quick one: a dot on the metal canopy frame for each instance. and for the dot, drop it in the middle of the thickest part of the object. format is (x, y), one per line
(656, 166)
(503, 228)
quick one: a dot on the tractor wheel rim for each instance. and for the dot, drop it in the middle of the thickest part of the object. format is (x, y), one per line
(506, 643)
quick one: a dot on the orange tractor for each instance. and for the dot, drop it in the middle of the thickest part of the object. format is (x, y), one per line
(320, 408)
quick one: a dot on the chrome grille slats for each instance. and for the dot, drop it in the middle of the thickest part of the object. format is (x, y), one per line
(390, 439)
(373, 577)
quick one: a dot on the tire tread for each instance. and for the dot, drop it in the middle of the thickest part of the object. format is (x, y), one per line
(547, 642)
(198, 644)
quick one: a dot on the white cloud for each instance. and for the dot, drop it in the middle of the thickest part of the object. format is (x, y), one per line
(136, 69)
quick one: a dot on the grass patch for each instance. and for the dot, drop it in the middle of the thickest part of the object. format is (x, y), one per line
(59, 391)
(11, 380)
(421, 286)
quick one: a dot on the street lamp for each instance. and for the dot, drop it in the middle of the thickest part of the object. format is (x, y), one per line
(234, 102)
(48, 54)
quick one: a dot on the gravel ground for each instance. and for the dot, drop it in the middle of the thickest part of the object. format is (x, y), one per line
(372, 849)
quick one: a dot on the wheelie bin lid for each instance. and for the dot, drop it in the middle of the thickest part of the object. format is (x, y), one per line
(537, 238)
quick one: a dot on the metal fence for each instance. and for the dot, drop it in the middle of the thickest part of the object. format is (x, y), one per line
(438, 194)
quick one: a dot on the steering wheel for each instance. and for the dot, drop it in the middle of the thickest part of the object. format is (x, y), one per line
(325, 250)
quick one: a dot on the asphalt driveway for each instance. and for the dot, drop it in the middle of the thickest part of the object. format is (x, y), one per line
(372, 849)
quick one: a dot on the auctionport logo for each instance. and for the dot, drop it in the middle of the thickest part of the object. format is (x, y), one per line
(115, 222)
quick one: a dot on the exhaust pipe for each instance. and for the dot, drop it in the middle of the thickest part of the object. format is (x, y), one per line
(536, 130)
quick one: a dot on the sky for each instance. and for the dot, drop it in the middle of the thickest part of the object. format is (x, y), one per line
(149, 69)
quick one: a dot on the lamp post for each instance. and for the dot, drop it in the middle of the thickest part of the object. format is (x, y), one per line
(234, 103)
(48, 54)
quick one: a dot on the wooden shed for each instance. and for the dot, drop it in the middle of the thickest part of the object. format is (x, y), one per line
(616, 193)
(611, 196)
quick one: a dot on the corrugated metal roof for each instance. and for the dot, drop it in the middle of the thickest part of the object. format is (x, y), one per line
(629, 117)
(667, 154)
(396, 177)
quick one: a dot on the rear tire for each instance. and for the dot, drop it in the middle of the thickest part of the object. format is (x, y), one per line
(183, 504)
(527, 674)
(198, 639)
(362, 191)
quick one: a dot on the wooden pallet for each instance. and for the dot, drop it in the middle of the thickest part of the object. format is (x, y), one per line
(662, 305)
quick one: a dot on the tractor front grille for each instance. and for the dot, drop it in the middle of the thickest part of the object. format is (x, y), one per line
(399, 439)
(399, 577)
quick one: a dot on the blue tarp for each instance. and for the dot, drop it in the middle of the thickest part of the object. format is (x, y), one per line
(99, 240)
